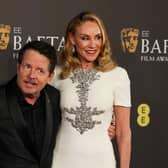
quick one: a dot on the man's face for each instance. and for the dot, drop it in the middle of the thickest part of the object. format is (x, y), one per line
(131, 41)
(4, 38)
(33, 73)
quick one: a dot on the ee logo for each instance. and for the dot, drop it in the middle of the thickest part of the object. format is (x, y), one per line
(143, 118)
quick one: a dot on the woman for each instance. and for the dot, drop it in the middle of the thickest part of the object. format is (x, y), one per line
(92, 88)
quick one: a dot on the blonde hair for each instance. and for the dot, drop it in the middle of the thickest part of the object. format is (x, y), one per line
(70, 59)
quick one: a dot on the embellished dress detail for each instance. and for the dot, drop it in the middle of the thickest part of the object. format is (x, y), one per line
(87, 100)
(83, 114)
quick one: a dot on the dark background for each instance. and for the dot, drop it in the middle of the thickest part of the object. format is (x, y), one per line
(148, 78)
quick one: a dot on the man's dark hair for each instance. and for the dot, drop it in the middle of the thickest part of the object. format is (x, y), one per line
(43, 48)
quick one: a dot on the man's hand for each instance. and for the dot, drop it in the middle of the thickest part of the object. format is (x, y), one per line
(111, 131)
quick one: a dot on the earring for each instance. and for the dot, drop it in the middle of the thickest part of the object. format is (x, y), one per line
(73, 49)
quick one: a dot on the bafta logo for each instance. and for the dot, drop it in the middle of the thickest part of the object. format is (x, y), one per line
(129, 39)
(4, 36)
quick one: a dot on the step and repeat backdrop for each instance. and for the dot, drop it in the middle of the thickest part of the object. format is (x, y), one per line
(138, 32)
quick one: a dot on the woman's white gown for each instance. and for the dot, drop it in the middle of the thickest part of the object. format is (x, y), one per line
(87, 99)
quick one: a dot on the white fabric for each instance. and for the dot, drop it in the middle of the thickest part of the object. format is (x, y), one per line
(81, 147)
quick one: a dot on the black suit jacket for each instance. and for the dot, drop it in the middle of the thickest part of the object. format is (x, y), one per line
(14, 152)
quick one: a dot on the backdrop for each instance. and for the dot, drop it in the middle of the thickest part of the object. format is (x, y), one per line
(138, 32)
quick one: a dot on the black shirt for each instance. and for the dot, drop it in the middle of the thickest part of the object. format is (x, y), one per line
(34, 116)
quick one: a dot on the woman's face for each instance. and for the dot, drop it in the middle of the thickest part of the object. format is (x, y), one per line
(87, 40)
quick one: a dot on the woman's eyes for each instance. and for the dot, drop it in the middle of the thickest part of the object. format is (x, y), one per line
(97, 37)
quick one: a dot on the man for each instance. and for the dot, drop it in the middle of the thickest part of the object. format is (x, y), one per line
(29, 110)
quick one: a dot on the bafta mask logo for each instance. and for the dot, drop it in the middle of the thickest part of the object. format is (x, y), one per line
(129, 39)
(4, 36)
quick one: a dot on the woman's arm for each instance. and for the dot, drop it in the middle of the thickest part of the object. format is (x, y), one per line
(123, 135)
